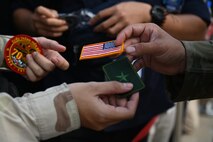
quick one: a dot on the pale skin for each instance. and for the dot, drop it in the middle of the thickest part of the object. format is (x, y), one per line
(97, 114)
(152, 47)
(126, 13)
(38, 66)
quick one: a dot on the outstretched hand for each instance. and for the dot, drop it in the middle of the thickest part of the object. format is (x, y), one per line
(94, 112)
(39, 65)
(152, 47)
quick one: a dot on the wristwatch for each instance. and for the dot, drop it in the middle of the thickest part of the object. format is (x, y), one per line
(158, 14)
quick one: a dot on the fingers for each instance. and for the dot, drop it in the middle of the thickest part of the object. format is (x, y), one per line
(133, 103)
(49, 48)
(127, 112)
(140, 49)
(106, 24)
(53, 22)
(51, 27)
(47, 23)
(116, 102)
(105, 99)
(101, 15)
(58, 60)
(112, 88)
(41, 10)
(50, 44)
(129, 32)
(114, 30)
(132, 41)
(38, 66)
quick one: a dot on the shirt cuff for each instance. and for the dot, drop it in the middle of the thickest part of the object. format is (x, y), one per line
(199, 56)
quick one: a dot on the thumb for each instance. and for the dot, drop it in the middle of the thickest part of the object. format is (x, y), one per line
(50, 44)
(140, 49)
(113, 87)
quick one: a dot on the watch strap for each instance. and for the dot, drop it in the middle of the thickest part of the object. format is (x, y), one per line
(158, 14)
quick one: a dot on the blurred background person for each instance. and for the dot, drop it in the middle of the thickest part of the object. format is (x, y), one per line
(111, 17)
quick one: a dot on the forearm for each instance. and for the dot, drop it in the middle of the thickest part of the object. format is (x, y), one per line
(198, 77)
(41, 115)
(185, 27)
(23, 20)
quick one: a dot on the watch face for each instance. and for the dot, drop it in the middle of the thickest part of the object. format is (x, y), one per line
(158, 14)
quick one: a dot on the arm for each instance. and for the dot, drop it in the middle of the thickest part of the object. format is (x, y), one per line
(198, 77)
(57, 110)
(123, 14)
(39, 65)
(185, 26)
(152, 47)
(34, 116)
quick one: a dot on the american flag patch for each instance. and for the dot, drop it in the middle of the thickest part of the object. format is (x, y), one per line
(99, 50)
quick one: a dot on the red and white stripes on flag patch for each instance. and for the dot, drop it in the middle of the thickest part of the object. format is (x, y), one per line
(99, 50)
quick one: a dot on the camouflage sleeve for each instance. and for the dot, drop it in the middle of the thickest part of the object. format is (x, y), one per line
(3, 42)
(198, 77)
(38, 116)
(55, 111)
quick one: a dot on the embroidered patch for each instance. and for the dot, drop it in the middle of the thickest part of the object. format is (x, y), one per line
(102, 49)
(16, 50)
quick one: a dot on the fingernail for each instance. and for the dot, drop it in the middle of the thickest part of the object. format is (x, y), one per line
(28, 56)
(128, 85)
(130, 49)
(34, 54)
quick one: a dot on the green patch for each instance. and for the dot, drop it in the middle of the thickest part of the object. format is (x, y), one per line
(122, 70)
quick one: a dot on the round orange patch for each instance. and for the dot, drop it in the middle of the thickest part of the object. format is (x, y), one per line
(16, 50)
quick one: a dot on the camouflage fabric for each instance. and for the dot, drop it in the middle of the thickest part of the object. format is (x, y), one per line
(38, 116)
(3, 41)
(198, 78)
(199, 56)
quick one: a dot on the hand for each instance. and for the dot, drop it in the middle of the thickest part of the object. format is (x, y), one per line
(121, 15)
(154, 48)
(94, 112)
(38, 65)
(46, 22)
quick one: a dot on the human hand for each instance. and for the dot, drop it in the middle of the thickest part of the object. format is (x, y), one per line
(39, 65)
(154, 48)
(121, 15)
(47, 23)
(96, 113)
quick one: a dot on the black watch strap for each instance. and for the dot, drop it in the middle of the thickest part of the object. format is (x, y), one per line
(158, 14)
